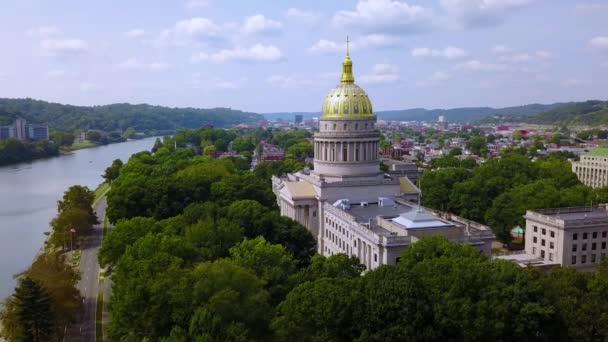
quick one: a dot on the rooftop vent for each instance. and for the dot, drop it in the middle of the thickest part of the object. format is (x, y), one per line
(343, 204)
(385, 202)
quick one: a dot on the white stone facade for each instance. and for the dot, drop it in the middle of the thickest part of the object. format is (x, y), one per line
(572, 237)
(592, 170)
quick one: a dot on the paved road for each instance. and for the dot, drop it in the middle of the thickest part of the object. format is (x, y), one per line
(84, 329)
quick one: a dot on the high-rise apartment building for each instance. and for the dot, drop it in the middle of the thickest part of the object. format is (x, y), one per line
(21, 130)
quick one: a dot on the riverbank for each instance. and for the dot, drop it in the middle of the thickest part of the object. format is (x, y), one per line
(32, 190)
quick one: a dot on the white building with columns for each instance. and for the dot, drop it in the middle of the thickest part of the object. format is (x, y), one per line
(347, 203)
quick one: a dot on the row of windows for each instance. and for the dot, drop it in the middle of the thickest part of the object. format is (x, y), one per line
(584, 246)
(585, 236)
(542, 242)
(594, 235)
(544, 231)
(335, 127)
(584, 258)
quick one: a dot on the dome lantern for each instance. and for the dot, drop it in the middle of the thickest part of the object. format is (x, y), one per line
(347, 100)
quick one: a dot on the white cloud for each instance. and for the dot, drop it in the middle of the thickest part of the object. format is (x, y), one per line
(229, 84)
(132, 64)
(589, 7)
(501, 49)
(375, 41)
(360, 43)
(381, 73)
(44, 32)
(436, 78)
(135, 33)
(189, 31)
(257, 53)
(575, 82)
(304, 16)
(542, 54)
(475, 65)
(59, 73)
(599, 42)
(259, 24)
(86, 87)
(474, 13)
(289, 81)
(327, 46)
(399, 16)
(449, 52)
(63, 47)
(197, 4)
(515, 58)
(377, 15)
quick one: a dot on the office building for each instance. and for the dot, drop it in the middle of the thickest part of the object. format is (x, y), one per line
(21, 130)
(573, 237)
(592, 169)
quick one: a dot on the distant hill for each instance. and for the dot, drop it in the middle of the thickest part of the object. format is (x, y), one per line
(590, 113)
(118, 117)
(466, 114)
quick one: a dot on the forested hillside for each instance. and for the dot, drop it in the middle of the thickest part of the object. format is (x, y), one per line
(119, 117)
(465, 114)
(590, 113)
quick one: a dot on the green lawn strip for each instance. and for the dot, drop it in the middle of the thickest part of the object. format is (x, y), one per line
(101, 191)
(105, 225)
(98, 318)
(81, 145)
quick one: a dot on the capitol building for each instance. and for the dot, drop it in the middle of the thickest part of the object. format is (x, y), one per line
(348, 204)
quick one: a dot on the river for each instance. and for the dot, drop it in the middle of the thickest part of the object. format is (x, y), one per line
(29, 194)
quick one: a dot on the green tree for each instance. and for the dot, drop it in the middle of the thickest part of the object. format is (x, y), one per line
(129, 133)
(33, 311)
(300, 151)
(112, 172)
(59, 279)
(80, 197)
(242, 144)
(322, 310)
(122, 235)
(271, 263)
(437, 185)
(335, 266)
(71, 218)
(219, 288)
(477, 145)
(209, 150)
(94, 136)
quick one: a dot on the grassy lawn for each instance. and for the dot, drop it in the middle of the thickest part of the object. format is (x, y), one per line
(81, 145)
(102, 190)
(76, 258)
(105, 225)
(98, 318)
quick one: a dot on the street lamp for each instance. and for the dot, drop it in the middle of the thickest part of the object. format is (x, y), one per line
(72, 231)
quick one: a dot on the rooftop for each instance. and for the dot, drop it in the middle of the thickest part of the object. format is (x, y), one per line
(598, 152)
(575, 213)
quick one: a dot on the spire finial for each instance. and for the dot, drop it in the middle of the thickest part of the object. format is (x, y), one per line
(347, 46)
(347, 66)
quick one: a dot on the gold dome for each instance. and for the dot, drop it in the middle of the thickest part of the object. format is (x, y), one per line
(347, 99)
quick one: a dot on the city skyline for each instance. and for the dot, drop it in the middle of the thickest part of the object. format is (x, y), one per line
(269, 57)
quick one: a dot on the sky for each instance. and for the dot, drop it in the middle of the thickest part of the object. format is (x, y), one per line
(275, 56)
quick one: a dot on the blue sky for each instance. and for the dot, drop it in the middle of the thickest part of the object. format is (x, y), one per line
(267, 56)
